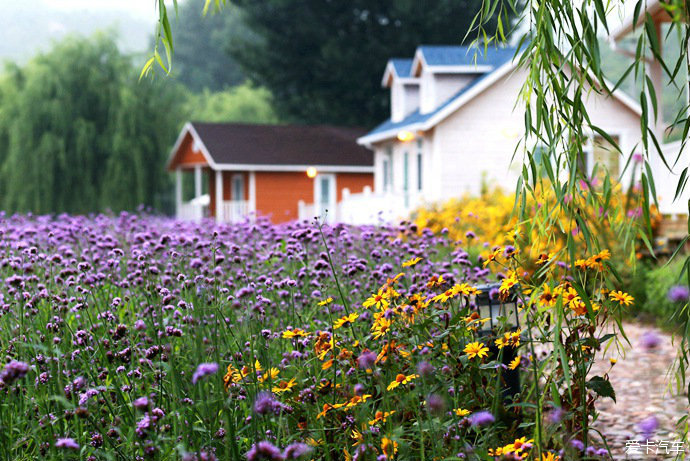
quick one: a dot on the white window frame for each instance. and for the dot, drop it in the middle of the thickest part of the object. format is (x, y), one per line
(419, 167)
(387, 168)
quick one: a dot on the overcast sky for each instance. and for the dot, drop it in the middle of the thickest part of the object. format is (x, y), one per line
(31, 26)
(141, 9)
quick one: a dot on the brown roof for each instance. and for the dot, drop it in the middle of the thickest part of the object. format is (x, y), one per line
(239, 143)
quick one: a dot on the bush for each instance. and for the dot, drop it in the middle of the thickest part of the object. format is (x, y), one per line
(658, 281)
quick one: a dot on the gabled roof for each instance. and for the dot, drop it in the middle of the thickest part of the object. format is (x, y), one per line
(459, 59)
(419, 121)
(504, 62)
(402, 66)
(396, 68)
(233, 146)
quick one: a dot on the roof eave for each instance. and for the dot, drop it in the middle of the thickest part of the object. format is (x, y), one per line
(461, 69)
(189, 128)
(388, 74)
(417, 61)
(369, 139)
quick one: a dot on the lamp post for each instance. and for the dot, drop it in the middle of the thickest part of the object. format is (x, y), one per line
(496, 310)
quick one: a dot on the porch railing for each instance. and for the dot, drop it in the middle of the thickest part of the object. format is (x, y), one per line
(189, 211)
(235, 210)
(371, 208)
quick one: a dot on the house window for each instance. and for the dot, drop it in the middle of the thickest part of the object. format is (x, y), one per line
(388, 170)
(606, 155)
(325, 197)
(406, 172)
(602, 154)
(419, 165)
(238, 187)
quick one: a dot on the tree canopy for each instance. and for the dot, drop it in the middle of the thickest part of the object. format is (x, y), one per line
(202, 60)
(79, 133)
(243, 103)
(322, 61)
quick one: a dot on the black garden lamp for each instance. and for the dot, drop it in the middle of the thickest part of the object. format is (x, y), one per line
(495, 309)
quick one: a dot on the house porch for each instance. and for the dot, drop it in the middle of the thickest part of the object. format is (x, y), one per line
(226, 196)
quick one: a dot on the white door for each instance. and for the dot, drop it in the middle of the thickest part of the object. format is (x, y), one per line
(324, 197)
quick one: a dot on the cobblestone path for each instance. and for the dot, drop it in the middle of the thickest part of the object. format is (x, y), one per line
(640, 379)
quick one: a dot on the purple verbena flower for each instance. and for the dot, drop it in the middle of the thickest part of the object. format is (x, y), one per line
(425, 368)
(296, 450)
(678, 294)
(366, 360)
(435, 403)
(648, 426)
(204, 369)
(577, 444)
(481, 418)
(650, 340)
(13, 371)
(67, 443)
(264, 451)
(142, 403)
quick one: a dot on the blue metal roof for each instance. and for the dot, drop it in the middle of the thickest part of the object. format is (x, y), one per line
(403, 67)
(496, 58)
(446, 55)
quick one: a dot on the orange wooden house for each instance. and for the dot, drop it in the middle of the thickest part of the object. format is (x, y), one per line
(285, 172)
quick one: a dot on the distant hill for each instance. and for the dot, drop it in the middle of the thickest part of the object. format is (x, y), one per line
(29, 26)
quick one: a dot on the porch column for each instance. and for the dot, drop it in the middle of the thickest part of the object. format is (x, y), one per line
(178, 191)
(656, 76)
(197, 181)
(220, 208)
(252, 192)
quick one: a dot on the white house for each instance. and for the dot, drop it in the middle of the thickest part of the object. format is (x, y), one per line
(666, 181)
(455, 125)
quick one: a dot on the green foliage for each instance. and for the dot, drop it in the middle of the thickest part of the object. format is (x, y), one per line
(658, 281)
(323, 61)
(201, 47)
(244, 103)
(564, 63)
(79, 133)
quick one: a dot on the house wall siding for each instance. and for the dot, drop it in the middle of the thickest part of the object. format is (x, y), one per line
(478, 141)
(186, 156)
(404, 99)
(447, 85)
(277, 194)
(356, 182)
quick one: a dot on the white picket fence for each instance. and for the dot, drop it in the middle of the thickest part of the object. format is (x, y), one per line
(362, 208)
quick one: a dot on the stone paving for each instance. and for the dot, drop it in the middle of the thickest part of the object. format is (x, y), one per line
(640, 379)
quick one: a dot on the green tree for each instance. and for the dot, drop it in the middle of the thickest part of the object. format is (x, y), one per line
(323, 61)
(202, 60)
(79, 133)
(244, 103)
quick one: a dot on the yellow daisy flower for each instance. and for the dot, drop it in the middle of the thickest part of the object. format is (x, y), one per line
(476, 349)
